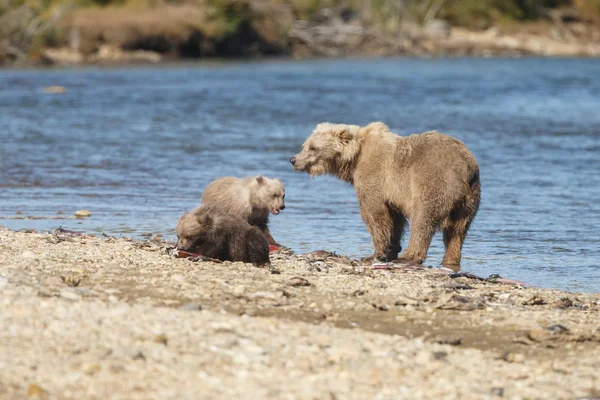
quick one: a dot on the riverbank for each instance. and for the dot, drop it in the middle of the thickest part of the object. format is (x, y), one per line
(104, 317)
(144, 33)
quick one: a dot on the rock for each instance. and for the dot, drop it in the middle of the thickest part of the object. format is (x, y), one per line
(162, 338)
(513, 357)
(3, 282)
(90, 368)
(557, 328)
(55, 89)
(438, 28)
(535, 300)
(406, 301)
(63, 55)
(563, 303)
(497, 391)
(191, 307)
(453, 301)
(457, 285)
(297, 281)
(69, 294)
(71, 280)
(114, 54)
(82, 214)
(239, 290)
(36, 391)
(28, 255)
(454, 341)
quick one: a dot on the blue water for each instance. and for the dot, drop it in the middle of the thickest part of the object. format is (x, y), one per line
(136, 146)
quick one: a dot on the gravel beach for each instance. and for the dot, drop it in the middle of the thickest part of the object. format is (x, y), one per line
(116, 318)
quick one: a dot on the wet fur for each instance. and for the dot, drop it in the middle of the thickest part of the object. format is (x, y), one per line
(429, 179)
(209, 231)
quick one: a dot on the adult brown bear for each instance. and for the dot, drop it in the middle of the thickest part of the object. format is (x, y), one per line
(430, 179)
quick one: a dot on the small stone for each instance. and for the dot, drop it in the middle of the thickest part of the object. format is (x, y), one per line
(28, 255)
(497, 391)
(36, 391)
(406, 301)
(178, 278)
(69, 295)
(564, 302)
(162, 338)
(535, 300)
(239, 290)
(3, 282)
(557, 328)
(455, 341)
(513, 357)
(191, 307)
(55, 89)
(457, 286)
(71, 280)
(298, 281)
(440, 355)
(90, 369)
(82, 214)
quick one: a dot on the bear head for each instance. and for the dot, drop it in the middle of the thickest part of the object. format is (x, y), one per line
(328, 149)
(268, 194)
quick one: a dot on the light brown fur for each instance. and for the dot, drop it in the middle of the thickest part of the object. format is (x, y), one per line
(251, 199)
(430, 179)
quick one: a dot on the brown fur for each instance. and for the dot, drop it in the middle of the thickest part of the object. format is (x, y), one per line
(251, 199)
(430, 179)
(213, 233)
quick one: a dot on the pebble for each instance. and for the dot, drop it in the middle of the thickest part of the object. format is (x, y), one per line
(28, 255)
(191, 307)
(69, 295)
(298, 281)
(239, 290)
(55, 89)
(82, 214)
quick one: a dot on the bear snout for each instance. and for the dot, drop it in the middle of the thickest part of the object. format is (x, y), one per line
(282, 207)
(293, 160)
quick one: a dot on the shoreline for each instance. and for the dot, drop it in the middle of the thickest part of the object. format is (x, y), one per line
(123, 317)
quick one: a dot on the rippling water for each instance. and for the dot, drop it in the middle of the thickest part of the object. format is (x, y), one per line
(136, 147)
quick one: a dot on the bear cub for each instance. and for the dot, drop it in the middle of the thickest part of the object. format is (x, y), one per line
(251, 199)
(211, 232)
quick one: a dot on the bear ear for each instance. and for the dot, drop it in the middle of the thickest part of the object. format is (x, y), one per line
(205, 219)
(259, 179)
(344, 134)
(377, 126)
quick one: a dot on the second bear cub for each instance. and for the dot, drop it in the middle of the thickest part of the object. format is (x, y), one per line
(209, 231)
(251, 199)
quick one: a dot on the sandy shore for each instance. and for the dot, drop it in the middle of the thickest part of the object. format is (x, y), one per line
(102, 318)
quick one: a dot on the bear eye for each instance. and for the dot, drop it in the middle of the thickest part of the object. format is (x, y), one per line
(275, 194)
(312, 148)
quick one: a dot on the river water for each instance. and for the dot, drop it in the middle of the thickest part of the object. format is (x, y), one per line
(136, 146)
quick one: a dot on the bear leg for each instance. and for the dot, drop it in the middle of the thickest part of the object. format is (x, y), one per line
(456, 226)
(398, 224)
(421, 233)
(379, 224)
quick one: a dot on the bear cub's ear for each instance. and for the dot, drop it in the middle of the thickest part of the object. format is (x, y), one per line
(205, 220)
(259, 179)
